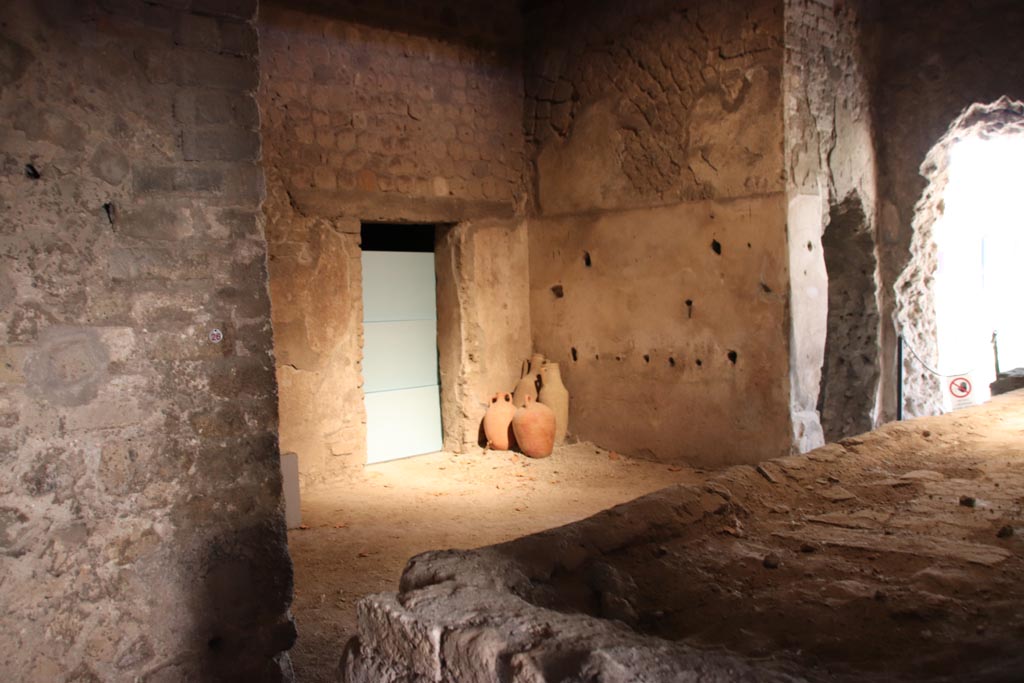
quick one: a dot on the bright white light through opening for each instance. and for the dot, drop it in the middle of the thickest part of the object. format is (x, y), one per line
(979, 283)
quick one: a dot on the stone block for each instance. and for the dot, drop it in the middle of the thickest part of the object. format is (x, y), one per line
(109, 164)
(220, 144)
(239, 223)
(154, 179)
(237, 9)
(69, 366)
(154, 222)
(238, 38)
(14, 60)
(398, 635)
(197, 31)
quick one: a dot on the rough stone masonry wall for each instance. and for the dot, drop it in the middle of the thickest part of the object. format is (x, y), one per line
(658, 258)
(830, 171)
(381, 121)
(140, 530)
(935, 60)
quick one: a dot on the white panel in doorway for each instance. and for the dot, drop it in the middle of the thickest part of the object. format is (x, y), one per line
(400, 378)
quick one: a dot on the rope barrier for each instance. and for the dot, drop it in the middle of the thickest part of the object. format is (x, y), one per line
(928, 367)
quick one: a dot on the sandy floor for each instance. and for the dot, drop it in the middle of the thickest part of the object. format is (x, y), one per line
(898, 551)
(362, 532)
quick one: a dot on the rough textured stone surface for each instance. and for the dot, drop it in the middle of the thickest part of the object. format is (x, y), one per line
(775, 572)
(382, 121)
(142, 537)
(830, 172)
(670, 347)
(934, 61)
(655, 104)
(483, 320)
(915, 294)
(674, 112)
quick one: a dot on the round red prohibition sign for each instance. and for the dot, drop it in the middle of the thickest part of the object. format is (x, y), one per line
(960, 387)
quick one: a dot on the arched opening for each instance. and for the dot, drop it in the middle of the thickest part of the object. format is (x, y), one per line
(963, 282)
(850, 371)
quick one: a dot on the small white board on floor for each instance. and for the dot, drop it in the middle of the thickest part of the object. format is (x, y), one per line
(290, 486)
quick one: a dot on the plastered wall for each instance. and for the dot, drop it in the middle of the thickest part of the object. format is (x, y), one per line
(368, 115)
(658, 135)
(140, 531)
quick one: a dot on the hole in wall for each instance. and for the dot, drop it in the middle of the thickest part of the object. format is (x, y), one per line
(572, 351)
(558, 291)
(699, 362)
(32, 172)
(765, 288)
(732, 357)
(716, 247)
(671, 361)
(689, 308)
(647, 358)
(586, 259)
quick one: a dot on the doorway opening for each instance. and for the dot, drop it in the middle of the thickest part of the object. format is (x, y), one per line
(959, 297)
(401, 383)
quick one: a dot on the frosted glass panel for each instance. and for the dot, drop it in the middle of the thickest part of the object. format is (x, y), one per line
(402, 423)
(400, 379)
(399, 355)
(398, 285)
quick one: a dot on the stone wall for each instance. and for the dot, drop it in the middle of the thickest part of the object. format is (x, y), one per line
(140, 528)
(830, 171)
(369, 117)
(935, 60)
(658, 261)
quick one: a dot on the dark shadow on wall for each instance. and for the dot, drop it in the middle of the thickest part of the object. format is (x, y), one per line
(242, 577)
(850, 371)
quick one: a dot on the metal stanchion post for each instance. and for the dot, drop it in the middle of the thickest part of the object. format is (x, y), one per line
(899, 377)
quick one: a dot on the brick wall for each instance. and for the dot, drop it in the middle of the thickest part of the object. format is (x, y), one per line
(139, 525)
(366, 117)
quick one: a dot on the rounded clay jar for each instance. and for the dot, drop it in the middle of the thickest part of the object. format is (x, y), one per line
(534, 427)
(498, 422)
(527, 385)
(554, 395)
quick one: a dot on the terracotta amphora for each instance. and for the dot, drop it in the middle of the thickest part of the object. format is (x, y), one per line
(498, 422)
(534, 427)
(554, 395)
(527, 385)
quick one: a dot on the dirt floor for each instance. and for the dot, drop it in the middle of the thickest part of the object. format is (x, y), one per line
(362, 531)
(898, 554)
